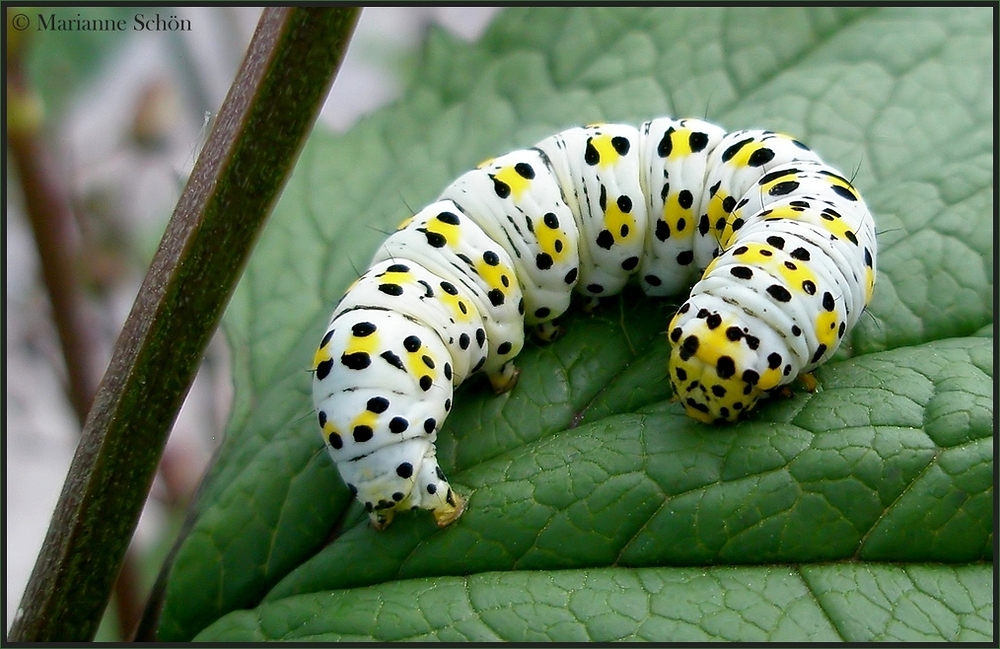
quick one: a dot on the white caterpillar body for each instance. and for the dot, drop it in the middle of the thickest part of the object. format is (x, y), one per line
(783, 245)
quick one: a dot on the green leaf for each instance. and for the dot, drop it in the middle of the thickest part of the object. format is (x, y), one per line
(909, 603)
(824, 602)
(586, 474)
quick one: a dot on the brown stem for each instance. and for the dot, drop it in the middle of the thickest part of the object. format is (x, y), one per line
(57, 239)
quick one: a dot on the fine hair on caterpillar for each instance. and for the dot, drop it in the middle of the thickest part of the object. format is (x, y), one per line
(778, 246)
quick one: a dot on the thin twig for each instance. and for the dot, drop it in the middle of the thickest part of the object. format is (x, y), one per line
(57, 239)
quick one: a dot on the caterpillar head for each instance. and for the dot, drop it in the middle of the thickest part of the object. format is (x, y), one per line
(717, 368)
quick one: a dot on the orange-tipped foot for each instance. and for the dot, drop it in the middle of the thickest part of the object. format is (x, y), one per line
(505, 379)
(448, 514)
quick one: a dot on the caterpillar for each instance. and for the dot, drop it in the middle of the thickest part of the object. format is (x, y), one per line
(779, 247)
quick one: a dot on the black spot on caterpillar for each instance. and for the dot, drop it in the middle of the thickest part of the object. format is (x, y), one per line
(779, 246)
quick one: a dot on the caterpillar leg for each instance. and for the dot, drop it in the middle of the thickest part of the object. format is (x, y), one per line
(504, 379)
(436, 494)
(381, 519)
(548, 331)
(450, 512)
(807, 380)
(591, 304)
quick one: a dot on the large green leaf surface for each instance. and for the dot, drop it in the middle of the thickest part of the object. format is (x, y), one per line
(597, 510)
(813, 603)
